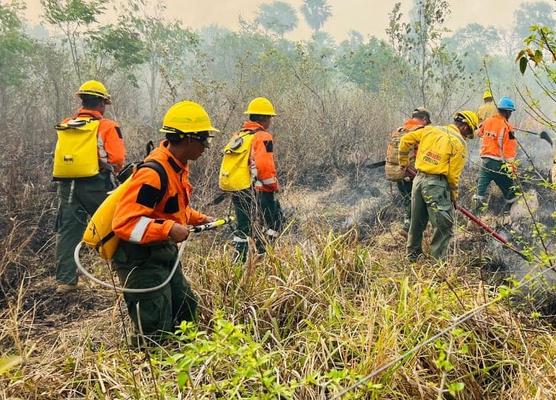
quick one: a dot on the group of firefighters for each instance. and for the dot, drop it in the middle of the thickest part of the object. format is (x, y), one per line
(154, 213)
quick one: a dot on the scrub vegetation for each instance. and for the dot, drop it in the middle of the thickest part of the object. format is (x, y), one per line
(333, 310)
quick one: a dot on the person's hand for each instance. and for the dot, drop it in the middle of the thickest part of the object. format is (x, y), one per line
(178, 233)
(209, 219)
(454, 200)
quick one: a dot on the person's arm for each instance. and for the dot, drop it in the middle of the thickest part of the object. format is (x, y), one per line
(114, 145)
(263, 156)
(408, 141)
(133, 219)
(456, 163)
(195, 217)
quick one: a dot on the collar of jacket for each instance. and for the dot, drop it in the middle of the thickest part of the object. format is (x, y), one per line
(454, 129)
(86, 111)
(499, 116)
(252, 126)
(176, 165)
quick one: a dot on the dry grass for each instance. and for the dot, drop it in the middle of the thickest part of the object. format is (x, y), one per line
(320, 311)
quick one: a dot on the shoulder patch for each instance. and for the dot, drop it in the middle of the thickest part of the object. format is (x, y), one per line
(148, 196)
(268, 146)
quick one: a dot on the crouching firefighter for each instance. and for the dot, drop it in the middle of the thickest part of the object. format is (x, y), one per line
(89, 151)
(419, 119)
(248, 171)
(440, 159)
(152, 216)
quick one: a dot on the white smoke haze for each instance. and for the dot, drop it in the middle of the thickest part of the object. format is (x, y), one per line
(370, 17)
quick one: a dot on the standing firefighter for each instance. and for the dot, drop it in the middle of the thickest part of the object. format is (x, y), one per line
(152, 217)
(488, 109)
(419, 119)
(439, 162)
(89, 150)
(249, 172)
(498, 152)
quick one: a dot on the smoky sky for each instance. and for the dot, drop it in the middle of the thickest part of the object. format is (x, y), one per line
(369, 17)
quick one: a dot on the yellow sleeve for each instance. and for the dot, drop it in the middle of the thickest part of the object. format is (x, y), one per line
(455, 167)
(407, 142)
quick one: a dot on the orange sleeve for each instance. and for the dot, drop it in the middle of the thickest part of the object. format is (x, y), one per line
(263, 156)
(133, 219)
(195, 217)
(111, 135)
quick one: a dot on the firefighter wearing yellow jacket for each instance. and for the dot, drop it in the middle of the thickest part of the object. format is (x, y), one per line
(440, 159)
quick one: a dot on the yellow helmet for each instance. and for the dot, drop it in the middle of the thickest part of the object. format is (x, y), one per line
(260, 106)
(186, 117)
(469, 118)
(95, 88)
(487, 94)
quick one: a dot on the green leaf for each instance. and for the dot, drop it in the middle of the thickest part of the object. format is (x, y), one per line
(522, 65)
(7, 363)
(454, 388)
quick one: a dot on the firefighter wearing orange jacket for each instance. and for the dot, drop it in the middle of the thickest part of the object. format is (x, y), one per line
(498, 152)
(258, 202)
(420, 117)
(80, 193)
(152, 217)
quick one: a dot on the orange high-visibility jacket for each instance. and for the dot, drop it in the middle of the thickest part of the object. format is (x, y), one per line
(409, 126)
(141, 217)
(497, 142)
(262, 158)
(111, 147)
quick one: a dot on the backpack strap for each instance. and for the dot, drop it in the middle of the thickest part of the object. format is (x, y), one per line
(157, 166)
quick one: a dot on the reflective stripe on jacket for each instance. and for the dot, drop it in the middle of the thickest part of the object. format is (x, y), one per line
(145, 215)
(497, 139)
(262, 158)
(111, 147)
(442, 151)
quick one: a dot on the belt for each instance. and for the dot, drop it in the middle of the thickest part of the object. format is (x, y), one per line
(439, 176)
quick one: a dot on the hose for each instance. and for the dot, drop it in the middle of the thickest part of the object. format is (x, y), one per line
(194, 229)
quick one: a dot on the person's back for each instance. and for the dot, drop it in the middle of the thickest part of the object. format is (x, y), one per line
(257, 202)
(440, 160)
(498, 147)
(497, 140)
(420, 117)
(83, 187)
(488, 109)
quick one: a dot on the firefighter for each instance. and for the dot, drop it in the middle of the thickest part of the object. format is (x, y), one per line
(488, 109)
(440, 159)
(249, 172)
(150, 221)
(89, 151)
(420, 118)
(498, 153)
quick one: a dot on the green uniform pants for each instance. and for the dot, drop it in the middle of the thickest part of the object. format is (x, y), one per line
(405, 190)
(258, 214)
(77, 201)
(144, 266)
(430, 200)
(494, 170)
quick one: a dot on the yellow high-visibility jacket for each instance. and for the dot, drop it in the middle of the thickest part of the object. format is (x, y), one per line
(441, 151)
(487, 110)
